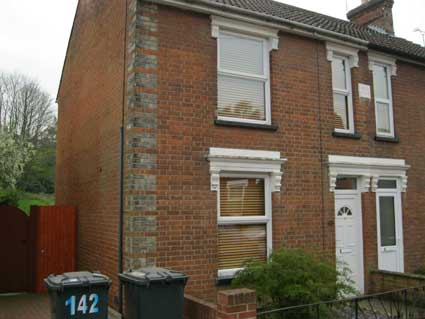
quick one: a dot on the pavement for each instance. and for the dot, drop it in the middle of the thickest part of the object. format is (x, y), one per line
(30, 306)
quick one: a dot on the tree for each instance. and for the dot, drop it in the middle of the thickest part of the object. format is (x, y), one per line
(14, 154)
(25, 109)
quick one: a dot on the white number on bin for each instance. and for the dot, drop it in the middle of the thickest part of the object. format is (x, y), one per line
(82, 304)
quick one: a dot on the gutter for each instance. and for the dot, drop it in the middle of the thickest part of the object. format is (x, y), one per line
(204, 6)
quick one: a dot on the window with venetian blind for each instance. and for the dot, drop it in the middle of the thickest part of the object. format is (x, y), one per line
(243, 222)
(383, 100)
(243, 78)
(342, 95)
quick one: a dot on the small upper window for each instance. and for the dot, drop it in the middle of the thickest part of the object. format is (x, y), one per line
(387, 184)
(243, 78)
(383, 68)
(342, 95)
(343, 59)
(383, 101)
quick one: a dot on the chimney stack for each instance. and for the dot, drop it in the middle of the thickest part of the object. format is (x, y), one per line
(376, 14)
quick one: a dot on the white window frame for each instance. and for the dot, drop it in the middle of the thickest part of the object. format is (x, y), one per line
(351, 58)
(388, 101)
(248, 220)
(398, 212)
(270, 40)
(348, 93)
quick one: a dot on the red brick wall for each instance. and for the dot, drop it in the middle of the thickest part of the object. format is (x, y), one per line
(302, 108)
(88, 152)
(171, 214)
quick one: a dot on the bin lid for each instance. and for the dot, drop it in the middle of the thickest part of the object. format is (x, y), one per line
(153, 275)
(76, 279)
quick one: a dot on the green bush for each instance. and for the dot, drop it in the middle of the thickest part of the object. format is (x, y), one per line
(9, 197)
(294, 277)
(420, 271)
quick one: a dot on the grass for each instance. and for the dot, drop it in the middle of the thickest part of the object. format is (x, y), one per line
(29, 199)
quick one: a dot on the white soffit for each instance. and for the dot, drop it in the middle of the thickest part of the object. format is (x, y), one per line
(245, 161)
(367, 168)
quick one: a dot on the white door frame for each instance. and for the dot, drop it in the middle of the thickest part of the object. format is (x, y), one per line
(398, 224)
(359, 231)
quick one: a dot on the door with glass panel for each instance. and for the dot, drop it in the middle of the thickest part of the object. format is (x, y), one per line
(390, 227)
(348, 230)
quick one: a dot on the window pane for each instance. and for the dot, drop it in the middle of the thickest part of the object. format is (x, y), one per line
(383, 117)
(387, 184)
(347, 183)
(241, 197)
(241, 54)
(341, 112)
(241, 98)
(339, 74)
(380, 82)
(238, 244)
(387, 219)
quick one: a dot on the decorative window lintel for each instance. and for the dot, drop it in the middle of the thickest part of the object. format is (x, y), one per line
(225, 160)
(246, 28)
(351, 53)
(367, 169)
(381, 59)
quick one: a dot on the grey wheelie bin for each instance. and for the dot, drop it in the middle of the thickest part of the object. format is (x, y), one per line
(78, 295)
(153, 293)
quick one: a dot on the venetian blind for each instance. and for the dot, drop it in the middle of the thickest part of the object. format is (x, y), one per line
(240, 243)
(241, 79)
(241, 197)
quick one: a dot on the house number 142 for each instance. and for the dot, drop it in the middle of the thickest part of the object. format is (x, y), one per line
(82, 304)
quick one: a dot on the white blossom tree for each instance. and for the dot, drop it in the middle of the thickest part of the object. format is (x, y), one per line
(14, 155)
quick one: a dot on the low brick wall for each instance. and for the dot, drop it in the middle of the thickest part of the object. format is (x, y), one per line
(382, 281)
(231, 304)
(195, 308)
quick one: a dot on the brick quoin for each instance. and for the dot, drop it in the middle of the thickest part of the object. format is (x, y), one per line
(170, 108)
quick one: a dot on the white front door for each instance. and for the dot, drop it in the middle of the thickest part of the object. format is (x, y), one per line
(349, 236)
(390, 231)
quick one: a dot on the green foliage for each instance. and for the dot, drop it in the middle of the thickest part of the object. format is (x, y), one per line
(14, 154)
(27, 200)
(294, 277)
(9, 197)
(420, 271)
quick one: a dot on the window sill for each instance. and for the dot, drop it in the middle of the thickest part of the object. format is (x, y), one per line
(268, 127)
(354, 136)
(223, 281)
(394, 139)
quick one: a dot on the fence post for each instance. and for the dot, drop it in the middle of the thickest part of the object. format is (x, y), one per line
(237, 304)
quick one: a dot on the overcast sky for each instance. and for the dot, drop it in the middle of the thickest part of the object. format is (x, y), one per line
(34, 34)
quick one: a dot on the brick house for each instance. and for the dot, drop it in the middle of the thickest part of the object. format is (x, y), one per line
(238, 126)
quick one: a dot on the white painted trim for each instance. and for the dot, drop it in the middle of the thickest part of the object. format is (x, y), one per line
(367, 168)
(379, 58)
(390, 69)
(270, 40)
(245, 161)
(248, 220)
(395, 193)
(270, 34)
(348, 93)
(359, 228)
(351, 53)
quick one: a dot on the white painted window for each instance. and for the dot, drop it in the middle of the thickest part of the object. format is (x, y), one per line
(243, 78)
(342, 95)
(343, 59)
(244, 221)
(383, 100)
(243, 54)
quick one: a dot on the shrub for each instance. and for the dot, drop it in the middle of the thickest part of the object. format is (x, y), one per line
(420, 271)
(294, 277)
(9, 197)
